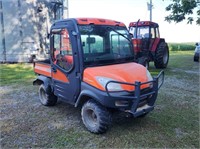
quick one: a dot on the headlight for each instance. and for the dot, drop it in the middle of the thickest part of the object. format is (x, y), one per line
(149, 79)
(149, 76)
(111, 86)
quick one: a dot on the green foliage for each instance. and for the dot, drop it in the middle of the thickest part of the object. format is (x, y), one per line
(183, 9)
(181, 46)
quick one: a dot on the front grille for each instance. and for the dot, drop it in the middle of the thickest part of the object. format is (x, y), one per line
(143, 99)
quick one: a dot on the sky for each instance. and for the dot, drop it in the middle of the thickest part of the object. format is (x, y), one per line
(128, 11)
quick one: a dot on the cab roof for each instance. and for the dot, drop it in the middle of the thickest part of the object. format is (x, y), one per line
(89, 21)
(98, 21)
(143, 23)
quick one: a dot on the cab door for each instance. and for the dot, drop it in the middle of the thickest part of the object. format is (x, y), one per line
(65, 64)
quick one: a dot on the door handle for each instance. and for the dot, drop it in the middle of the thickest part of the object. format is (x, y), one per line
(53, 69)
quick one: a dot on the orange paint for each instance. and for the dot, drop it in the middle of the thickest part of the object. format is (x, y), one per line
(60, 76)
(98, 21)
(129, 73)
(43, 69)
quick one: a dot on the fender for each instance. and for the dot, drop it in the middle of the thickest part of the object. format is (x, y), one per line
(156, 43)
(43, 80)
(85, 95)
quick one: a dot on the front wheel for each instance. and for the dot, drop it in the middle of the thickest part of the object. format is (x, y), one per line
(161, 55)
(47, 98)
(95, 117)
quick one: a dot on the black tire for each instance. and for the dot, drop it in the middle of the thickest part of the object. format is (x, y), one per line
(196, 59)
(161, 56)
(143, 61)
(95, 117)
(143, 115)
(47, 98)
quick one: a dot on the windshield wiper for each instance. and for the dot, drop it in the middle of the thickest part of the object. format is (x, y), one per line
(119, 33)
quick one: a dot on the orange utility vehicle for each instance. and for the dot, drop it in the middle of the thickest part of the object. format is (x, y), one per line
(92, 66)
(148, 46)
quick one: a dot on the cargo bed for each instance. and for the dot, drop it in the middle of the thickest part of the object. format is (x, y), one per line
(43, 68)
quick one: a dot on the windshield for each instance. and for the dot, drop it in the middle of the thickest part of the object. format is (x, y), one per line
(142, 32)
(103, 45)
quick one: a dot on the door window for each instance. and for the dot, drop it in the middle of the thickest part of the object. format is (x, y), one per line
(62, 55)
(153, 33)
(157, 33)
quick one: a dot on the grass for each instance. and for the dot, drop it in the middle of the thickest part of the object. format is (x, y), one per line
(173, 124)
(16, 73)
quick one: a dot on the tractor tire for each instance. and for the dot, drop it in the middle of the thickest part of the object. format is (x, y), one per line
(144, 62)
(95, 117)
(161, 56)
(46, 98)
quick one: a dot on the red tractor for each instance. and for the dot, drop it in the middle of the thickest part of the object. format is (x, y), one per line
(148, 46)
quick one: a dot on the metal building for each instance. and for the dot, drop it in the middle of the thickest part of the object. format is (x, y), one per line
(24, 27)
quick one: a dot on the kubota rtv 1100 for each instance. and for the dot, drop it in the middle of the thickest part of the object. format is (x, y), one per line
(92, 66)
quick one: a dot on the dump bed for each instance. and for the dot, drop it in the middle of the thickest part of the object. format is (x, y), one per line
(42, 68)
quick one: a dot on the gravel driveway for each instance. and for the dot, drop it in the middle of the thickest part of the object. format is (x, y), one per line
(24, 121)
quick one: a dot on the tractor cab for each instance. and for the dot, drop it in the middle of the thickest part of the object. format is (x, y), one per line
(146, 41)
(144, 29)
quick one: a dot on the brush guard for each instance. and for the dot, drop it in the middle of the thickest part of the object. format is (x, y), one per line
(137, 96)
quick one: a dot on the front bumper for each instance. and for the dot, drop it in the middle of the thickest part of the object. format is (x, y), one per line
(137, 102)
(140, 101)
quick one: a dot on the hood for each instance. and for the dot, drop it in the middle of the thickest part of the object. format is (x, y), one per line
(128, 72)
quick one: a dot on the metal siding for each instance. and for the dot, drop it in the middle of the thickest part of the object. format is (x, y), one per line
(1, 34)
(23, 28)
(12, 30)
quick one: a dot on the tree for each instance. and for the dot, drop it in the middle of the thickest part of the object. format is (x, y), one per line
(183, 10)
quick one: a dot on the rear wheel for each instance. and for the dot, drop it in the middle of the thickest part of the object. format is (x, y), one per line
(47, 98)
(95, 117)
(161, 56)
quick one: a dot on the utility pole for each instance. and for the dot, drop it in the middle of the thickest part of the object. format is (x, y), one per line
(65, 9)
(150, 6)
(151, 10)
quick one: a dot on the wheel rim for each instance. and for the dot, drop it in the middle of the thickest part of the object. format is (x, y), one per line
(91, 117)
(43, 96)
